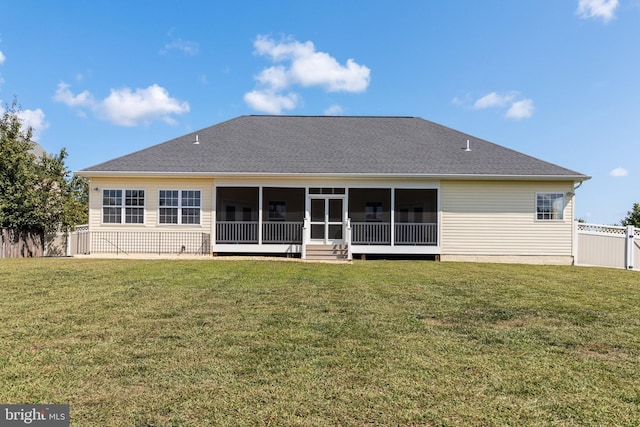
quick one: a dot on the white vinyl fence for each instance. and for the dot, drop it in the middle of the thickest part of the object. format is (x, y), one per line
(608, 246)
(67, 244)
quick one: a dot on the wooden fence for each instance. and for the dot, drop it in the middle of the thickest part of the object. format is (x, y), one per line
(21, 243)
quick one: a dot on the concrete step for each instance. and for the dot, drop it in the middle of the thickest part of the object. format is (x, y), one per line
(327, 252)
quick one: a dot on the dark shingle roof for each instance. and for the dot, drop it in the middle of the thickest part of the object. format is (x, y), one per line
(332, 145)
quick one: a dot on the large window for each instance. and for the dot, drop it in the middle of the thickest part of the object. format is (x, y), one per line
(549, 206)
(179, 206)
(123, 206)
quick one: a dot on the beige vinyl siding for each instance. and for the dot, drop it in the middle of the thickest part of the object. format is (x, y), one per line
(152, 187)
(498, 218)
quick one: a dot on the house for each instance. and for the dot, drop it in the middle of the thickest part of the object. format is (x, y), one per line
(334, 187)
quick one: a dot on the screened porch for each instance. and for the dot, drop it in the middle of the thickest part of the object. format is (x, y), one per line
(412, 221)
(241, 218)
(369, 216)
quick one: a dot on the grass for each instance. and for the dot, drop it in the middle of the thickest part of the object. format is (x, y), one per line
(194, 343)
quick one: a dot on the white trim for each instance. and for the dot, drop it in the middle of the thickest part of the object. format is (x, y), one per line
(396, 250)
(572, 178)
(292, 248)
(327, 222)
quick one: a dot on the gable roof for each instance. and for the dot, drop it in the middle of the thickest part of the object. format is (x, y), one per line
(37, 150)
(322, 145)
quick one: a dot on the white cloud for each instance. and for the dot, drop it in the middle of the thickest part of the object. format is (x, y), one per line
(494, 99)
(522, 109)
(305, 67)
(271, 102)
(64, 95)
(320, 69)
(126, 107)
(597, 9)
(187, 47)
(35, 119)
(620, 171)
(516, 108)
(334, 110)
(274, 77)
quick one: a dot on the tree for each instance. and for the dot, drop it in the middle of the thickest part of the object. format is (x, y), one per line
(37, 194)
(633, 216)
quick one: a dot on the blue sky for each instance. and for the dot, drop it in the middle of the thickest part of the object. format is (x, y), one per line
(555, 79)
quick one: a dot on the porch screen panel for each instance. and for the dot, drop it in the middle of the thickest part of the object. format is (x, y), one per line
(416, 217)
(370, 214)
(335, 210)
(317, 215)
(237, 214)
(240, 200)
(283, 211)
(317, 210)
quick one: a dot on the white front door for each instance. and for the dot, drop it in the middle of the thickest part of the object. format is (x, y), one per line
(327, 223)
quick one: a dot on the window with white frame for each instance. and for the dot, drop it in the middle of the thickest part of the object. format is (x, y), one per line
(179, 206)
(277, 210)
(122, 206)
(549, 206)
(373, 211)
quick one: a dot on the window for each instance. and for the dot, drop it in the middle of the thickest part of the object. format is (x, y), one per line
(326, 190)
(179, 206)
(549, 206)
(117, 209)
(277, 211)
(373, 211)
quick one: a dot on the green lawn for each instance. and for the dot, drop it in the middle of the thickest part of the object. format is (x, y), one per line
(193, 343)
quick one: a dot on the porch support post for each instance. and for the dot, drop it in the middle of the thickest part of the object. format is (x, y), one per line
(392, 232)
(348, 240)
(305, 236)
(306, 232)
(214, 219)
(260, 188)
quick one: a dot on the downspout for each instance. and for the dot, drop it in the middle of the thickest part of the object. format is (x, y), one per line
(574, 231)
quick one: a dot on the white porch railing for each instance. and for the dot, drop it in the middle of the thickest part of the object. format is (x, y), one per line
(362, 233)
(379, 233)
(414, 233)
(237, 231)
(282, 232)
(371, 233)
(247, 232)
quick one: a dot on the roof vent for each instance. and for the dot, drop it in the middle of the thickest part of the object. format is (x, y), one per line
(466, 149)
(196, 142)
